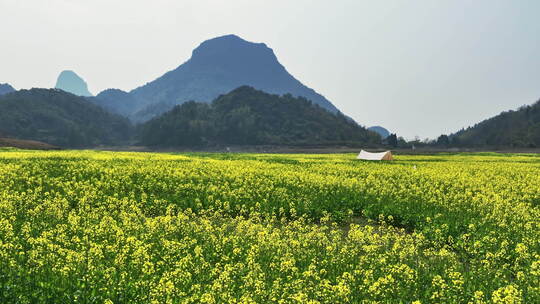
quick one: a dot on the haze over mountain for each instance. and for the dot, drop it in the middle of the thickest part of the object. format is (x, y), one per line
(216, 67)
(59, 118)
(383, 132)
(116, 101)
(246, 116)
(519, 128)
(70, 82)
(6, 88)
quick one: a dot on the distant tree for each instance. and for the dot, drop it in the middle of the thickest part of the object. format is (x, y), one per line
(402, 143)
(443, 141)
(455, 141)
(392, 140)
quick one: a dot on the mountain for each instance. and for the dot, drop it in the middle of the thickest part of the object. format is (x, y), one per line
(123, 103)
(218, 66)
(519, 128)
(246, 116)
(380, 130)
(59, 118)
(6, 88)
(70, 82)
(115, 101)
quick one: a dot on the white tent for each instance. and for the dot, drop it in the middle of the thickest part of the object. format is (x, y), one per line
(387, 155)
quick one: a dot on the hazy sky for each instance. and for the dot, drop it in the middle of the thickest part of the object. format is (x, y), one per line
(419, 68)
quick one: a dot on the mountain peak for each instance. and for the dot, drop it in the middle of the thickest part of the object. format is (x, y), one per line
(230, 39)
(70, 82)
(231, 49)
(6, 88)
(219, 65)
(383, 132)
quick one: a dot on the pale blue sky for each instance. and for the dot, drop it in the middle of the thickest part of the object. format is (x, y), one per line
(419, 68)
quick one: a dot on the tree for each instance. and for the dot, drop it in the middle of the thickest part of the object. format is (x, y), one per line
(455, 141)
(392, 140)
(402, 143)
(246, 116)
(60, 119)
(443, 140)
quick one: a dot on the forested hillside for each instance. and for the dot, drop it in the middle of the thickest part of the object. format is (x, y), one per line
(115, 101)
(520, 128)
(59, 118)
(247, 116)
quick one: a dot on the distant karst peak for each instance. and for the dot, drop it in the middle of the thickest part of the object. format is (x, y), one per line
(6, 88)
(70, 82)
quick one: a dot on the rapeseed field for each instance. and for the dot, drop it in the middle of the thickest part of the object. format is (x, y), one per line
(123, 227)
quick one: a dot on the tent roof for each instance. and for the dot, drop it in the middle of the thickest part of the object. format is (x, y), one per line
(387, 155)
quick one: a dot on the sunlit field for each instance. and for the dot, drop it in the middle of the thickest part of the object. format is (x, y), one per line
(121, 227)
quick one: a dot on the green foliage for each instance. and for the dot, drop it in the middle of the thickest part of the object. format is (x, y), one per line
(247, 116)
(520, 128)
(115, 101)
(443, 140)
(383, 132)
(392, 140)
(59, 118)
